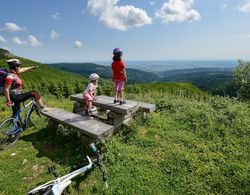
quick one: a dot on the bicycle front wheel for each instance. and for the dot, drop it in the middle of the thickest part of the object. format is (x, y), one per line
(45, 189)
(7, 138)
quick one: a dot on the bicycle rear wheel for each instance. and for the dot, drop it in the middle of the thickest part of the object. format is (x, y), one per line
(6, 128)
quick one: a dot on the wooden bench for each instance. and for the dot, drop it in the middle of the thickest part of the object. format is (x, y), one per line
(89, 127)
(106, 103)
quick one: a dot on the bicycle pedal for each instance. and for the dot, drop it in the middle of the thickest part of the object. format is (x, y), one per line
(52, 170)
(30, 123)
(38, 112)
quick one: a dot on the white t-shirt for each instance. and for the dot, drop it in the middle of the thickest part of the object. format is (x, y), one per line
(91, 88)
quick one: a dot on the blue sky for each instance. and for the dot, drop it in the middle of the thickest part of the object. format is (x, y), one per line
(88, 30)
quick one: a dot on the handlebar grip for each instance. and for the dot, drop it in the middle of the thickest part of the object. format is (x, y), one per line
(93, 147)
(106, 184)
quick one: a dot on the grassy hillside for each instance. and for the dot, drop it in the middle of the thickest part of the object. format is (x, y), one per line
(193, 143)
(46, 79)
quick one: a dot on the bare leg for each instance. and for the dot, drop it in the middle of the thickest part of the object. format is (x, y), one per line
(122, 97)
(86, 105)
(40, 103)
(115, 94)
(42, 106)
(89, 105)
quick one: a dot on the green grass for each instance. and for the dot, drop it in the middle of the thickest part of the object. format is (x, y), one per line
(188, 146)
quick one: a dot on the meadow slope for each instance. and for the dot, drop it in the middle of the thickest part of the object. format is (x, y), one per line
(193, 143)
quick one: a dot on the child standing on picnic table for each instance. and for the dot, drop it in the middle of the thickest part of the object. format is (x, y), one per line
(90, 93)
(119, 76)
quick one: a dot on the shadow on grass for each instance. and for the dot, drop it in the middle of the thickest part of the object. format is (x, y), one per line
(62, 147)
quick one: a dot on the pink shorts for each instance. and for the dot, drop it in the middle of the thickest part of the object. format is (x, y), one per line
(87, 97)
(118, 85)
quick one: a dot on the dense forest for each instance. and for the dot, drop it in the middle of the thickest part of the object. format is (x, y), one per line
(194, 143)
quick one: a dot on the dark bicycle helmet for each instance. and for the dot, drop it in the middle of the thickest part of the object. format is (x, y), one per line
(13, 63)
(117, 51)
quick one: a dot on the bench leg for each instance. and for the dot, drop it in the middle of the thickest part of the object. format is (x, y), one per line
(86, 141)
(118, 119)
(53, 125)
(79, 108)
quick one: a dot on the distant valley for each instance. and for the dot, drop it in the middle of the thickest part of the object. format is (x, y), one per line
(216, 80)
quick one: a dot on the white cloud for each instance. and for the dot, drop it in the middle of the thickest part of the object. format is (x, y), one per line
(56, 16)
(245, 7)
(31, 40)
(178, 10)
(54, 35)
(152, 2)
(12, 27)
(78, 44)
(18, 41)
(118, 17)
(242, 36)
(223, 7)
(2, 39)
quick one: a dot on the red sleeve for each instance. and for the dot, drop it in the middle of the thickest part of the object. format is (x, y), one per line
(8, 80)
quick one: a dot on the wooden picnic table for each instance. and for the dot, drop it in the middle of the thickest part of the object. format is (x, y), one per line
(106, 103)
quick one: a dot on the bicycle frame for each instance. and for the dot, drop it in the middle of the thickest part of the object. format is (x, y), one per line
(17, 117)
(61, 183)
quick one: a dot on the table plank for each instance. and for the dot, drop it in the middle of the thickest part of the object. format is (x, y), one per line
(89, 127)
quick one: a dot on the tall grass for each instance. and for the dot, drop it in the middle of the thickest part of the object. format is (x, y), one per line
(194, 144)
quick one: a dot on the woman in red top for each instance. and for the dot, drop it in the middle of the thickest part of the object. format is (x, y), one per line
(119, 76)
(13, 87)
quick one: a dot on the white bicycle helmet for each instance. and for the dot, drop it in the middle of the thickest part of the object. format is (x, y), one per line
(13, 63)
(94, 77)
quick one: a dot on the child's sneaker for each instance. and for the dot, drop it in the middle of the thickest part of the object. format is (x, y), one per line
(86, 113)
(122, 102)
(116, 101)
(45, 109)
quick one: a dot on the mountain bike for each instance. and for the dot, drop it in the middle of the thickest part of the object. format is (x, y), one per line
(11, 128)
(58, 186)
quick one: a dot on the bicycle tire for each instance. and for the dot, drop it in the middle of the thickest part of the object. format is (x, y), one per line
(6, 137)
(45, 189)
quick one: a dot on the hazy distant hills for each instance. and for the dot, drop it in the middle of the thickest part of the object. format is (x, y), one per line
(215, 80)
(134, 75)
(218, 81)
